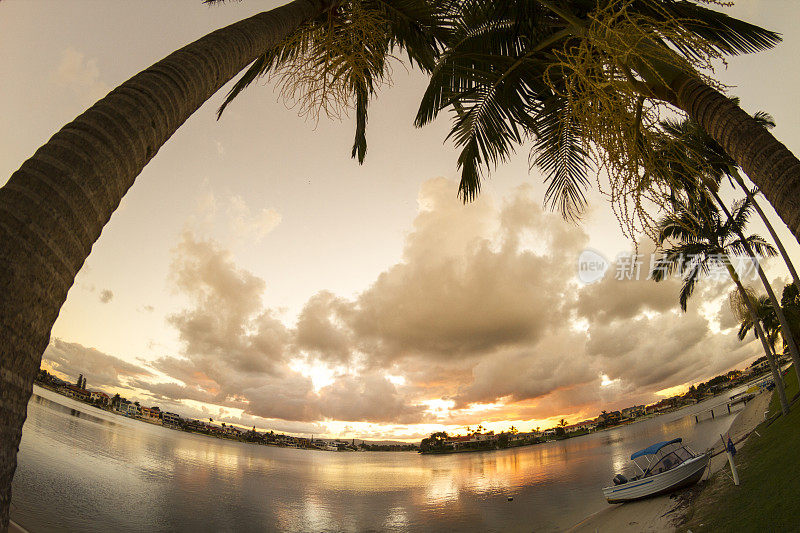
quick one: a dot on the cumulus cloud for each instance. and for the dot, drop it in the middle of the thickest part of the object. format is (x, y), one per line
(100, 369)
(483, 313)
(226, 322)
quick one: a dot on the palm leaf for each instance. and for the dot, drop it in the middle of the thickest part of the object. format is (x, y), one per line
(728, 35)
(560, 153)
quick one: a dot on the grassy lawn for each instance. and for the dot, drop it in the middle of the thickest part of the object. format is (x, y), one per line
(769, 470)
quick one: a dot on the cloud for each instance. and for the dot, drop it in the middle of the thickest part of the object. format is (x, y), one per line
(483, 313)
(367, 398)
(231, 218)
(106, 296)
(100, 369)
(226, 322)
(248, 226)
(81, 75)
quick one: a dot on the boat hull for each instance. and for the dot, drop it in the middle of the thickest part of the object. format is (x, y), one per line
(684, 475)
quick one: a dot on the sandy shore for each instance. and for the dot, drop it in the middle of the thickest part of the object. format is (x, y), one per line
(659, 513)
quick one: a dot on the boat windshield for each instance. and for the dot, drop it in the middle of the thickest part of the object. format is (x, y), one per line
(667, 459)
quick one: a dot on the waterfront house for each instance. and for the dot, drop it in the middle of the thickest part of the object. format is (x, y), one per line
(171, 419)
(633, 411)
(76, 392)
(99, 397)
(151, 414)
(133, 410)
(586, 425)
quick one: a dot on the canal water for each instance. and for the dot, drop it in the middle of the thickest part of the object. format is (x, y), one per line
(83, 469)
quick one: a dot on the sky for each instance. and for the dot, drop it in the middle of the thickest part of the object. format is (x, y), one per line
(258, 275)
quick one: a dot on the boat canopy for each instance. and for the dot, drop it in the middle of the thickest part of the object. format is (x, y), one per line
(650, 450)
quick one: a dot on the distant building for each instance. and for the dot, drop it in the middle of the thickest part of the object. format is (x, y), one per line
(610, 418)
(171, 419)
(588, 425)
(151, 414)
(133, 410)
(100, 397)
(76, 392)
(633, 411)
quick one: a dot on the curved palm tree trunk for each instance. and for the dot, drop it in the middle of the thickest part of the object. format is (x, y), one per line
(771, 230)
(773, 365)
(786, 331)
(768, 163)
(54, 207)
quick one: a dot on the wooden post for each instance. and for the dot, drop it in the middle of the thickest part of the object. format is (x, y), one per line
(729, 408)
(730, 461)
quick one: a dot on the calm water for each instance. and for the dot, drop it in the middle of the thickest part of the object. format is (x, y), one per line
(82, 469)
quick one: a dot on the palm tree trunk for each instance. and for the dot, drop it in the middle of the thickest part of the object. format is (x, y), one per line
(776, 374)
(786, 331)
(54, 207)
(771, 230)
(768, 163)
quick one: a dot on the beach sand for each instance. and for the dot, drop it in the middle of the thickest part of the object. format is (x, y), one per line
(662, 512)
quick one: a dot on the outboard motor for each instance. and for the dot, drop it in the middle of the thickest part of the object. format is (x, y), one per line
(619, 479)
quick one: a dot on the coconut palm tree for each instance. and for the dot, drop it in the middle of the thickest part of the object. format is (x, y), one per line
(696, 163)
(55, 206)
(695, 241)
(706, 156)
(765, 313)
(585, 80)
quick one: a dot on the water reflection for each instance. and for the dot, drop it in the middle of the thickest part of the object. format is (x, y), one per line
(82, 469)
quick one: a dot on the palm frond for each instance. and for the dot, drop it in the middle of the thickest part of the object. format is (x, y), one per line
(729, 35)
(560, 152)
(690, 280)
(756, 243)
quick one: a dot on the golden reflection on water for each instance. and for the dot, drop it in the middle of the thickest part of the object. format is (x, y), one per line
(130, 476)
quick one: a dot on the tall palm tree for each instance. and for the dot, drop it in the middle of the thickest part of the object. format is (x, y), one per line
(55, 206)
(695, 162)
(765, 313)
(707, 156)
(581, 75)
(694, 240)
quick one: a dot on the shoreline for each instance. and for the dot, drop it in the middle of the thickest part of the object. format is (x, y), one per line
(226, 437)
(661, 512)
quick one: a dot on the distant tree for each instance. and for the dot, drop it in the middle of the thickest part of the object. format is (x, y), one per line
(560, 431)
(503, 440)
(513, 430)
(434, 442)
(562, 423)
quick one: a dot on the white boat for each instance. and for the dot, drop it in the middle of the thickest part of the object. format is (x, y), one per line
(670, 466)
